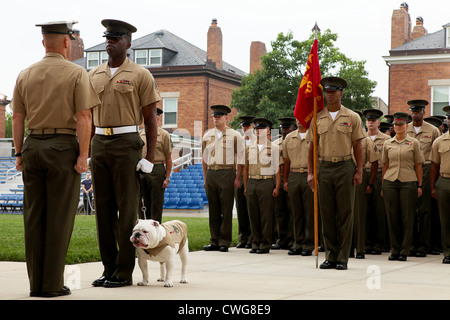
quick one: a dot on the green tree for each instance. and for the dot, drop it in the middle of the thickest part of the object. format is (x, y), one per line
(272, 91)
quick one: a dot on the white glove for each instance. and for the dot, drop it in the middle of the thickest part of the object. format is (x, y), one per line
(144, 165)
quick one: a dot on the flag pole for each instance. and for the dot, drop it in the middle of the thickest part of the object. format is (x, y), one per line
(316, 216)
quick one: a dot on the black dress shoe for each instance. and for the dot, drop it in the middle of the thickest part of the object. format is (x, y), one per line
(210, 247)
(262, 251)
(328, 265)
(295, 252)
(64, 291)
(240, 246)
(402, 257)
(376, 251)
(421, 254)
(223, 249)
(275, 246)
(393, 257)
(360, 255)
(341, 265)
(306, 252)
(253, 251)
(100, 281)
(446, 260)
(115, 282)
(248, 246)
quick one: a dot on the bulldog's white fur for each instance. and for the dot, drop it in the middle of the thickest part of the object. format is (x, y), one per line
(147, 234)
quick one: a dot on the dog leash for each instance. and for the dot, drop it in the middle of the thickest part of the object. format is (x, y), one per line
(143, 207)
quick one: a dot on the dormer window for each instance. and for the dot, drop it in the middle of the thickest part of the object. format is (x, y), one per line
(148, 57)
(96, 58)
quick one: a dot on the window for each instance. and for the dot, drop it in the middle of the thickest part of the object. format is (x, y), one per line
(440, 97)
(146, 57)
(142, 57)
(155, 57)
(170, 108)
(96, 58)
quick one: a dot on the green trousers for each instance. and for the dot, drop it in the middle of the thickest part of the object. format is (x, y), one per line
(443, 200)
(400, 199)
(260, 204)
(219, 185)
(283, 218)
(244, 232)
(51, 195)
(336, 196)
(301, 200)
(116, 195)
(360, 214)
(153, 193)
(422, 226)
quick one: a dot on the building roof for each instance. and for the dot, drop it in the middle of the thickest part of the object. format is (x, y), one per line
(179, 52)
(429, 43)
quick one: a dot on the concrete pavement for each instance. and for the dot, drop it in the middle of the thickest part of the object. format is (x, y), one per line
(239, 275)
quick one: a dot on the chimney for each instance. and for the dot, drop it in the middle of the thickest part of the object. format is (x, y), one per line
(214, 51)
(77, 51)
(400, 26)
(418, 29)
(257, 50)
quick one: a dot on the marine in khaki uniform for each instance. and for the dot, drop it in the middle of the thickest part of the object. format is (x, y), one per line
(262, 179)
(377, 232)
(440, 184)
(426, 133)
(365, 189)
(402, 160)
(244, 232)
(54, 96)
(129, 95)
(339, 133)
(155, 183)
(300, 196)
(282, 209)
(223, 150)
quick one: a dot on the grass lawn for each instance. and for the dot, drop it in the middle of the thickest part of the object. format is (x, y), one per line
(83, 245)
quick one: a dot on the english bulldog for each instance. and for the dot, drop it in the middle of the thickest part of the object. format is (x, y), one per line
(161, 242)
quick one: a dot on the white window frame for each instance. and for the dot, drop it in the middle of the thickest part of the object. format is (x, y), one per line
(97, 57)
(136, 57)
(150, 54)
(447, 102)
(447, 37)
(165, 96)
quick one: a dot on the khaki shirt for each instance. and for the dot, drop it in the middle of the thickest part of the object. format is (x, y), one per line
(296, 150)
(369, 153)
(279, 143)
(440, 154)
(52, 91)
(226, 150)
(426, 135)
(163, 145)
(123, 95)
(262, 162)
(402, 157)
(335, 137)
(378, 143)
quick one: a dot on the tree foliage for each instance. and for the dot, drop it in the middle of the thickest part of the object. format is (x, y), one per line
(272, 91)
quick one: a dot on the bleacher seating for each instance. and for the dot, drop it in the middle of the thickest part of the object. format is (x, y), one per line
(186, 190)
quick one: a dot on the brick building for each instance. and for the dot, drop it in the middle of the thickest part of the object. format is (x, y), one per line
(189, 79)
(419, 64)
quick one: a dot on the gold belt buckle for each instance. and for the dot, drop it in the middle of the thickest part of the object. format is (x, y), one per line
(108, 131)
(334, 159)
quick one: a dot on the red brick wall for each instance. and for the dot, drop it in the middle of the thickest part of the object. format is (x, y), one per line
(192, 102)
(410, 81)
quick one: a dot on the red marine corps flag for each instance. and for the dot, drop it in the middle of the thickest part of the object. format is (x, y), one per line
(309, 103)
(309, 90)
